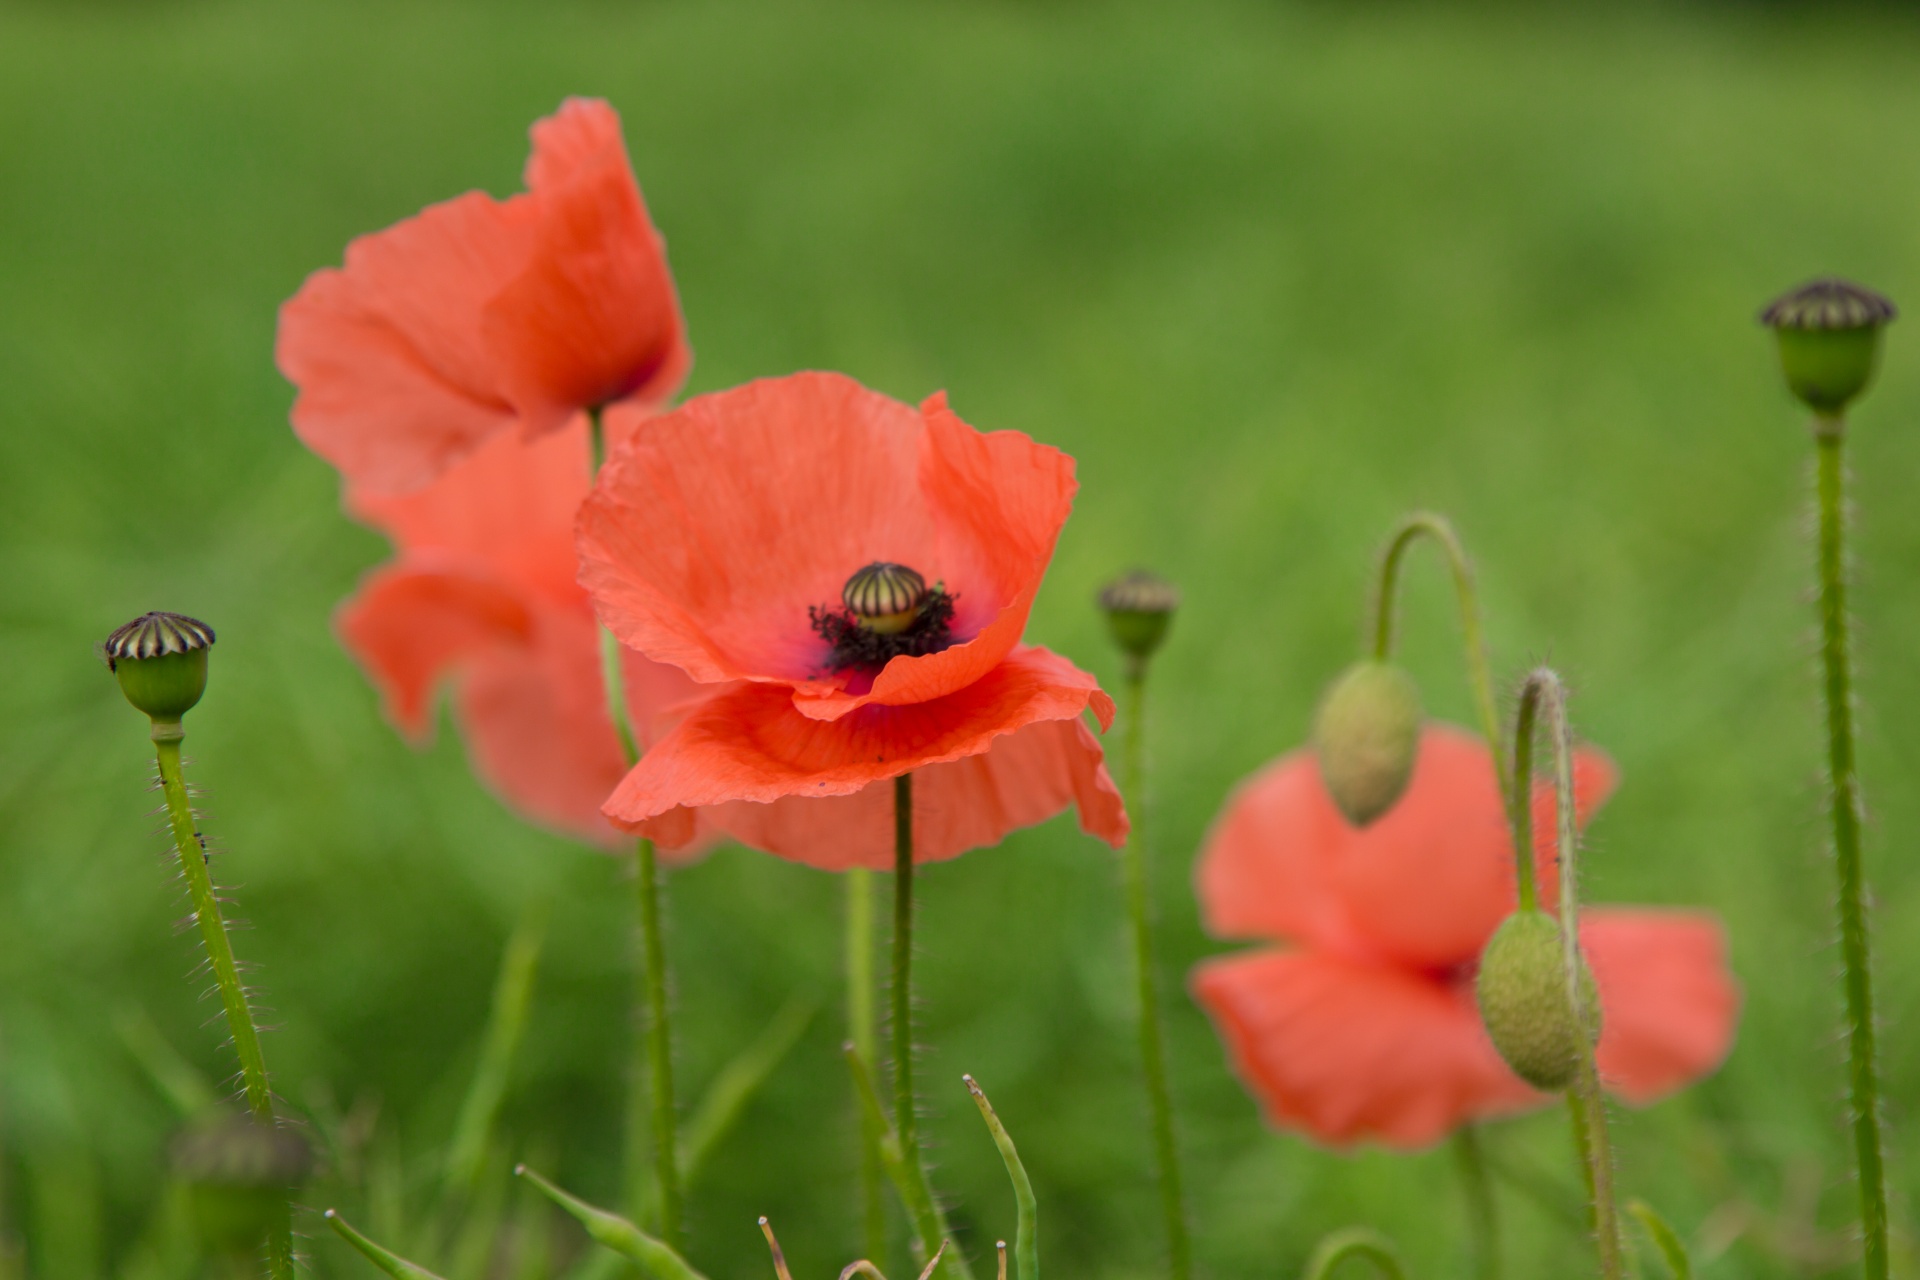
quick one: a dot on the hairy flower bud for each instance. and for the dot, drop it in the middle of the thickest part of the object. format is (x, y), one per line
(1522, 989)
(1139, 609)
(161, 662)
(238, 1173)
(1829, 334)
(1367, 734)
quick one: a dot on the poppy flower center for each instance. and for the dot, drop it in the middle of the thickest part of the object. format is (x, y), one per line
(886, 610)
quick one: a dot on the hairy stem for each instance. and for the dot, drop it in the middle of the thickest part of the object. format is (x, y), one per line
(226, 972)
(1543, 691)
(1843, 798)
(861, 1032)
(1483, 1227)
(656, 1020)
(1153, 1050)
(905, 1124)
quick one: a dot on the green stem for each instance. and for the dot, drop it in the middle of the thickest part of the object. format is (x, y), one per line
(1153, 1050)
(226, 972)
(1479, 668)
(657, 1027)
(904, 1121)
(1026, 1237)
(861, 1031)
(1543, 690)
(1863, 1085)
(1355, 1243)
(1482, 1223)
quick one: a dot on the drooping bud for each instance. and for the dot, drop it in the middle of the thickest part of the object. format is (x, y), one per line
(1367, 734)
(1139, 609)
(1829, 335)
(1522, 989)
(161, 662)
(885, 597)
(238, 1173)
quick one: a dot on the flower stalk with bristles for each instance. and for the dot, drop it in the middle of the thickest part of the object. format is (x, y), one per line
(1829, 338)
(1139, 609)
(160, 660)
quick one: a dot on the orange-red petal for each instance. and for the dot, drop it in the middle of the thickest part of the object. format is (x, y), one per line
(750, 746)
(394, 377)
(706, 542)
(1669, 1002)
(1346, 1051)
(1425, 885)
(410, 626)
(592, 317)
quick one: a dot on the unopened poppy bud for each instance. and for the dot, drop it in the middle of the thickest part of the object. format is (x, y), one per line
(1367, 734)
(161, 662)
(1829, 334)
(238, 1173)
(1522, 989)
(1139, 609)
(886, 598)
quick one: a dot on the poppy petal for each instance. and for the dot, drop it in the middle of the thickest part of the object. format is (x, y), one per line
(999, 501)
(751, 745)
(410, 627)
(1669, 1004)
(593, 316)
(707, 542)
(393, 373)
(1431, 880)
(508, 507)
(1023, 778)
(1346, 1051)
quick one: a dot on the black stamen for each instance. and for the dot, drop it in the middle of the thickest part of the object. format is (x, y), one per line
(855, 647)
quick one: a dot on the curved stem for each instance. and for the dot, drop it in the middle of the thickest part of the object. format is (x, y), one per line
(1153, 1051)
(1863, 1085)
(1355, 1242)
(1544, 691)
(656, 1025)
(904, 1120)
(226, 971)
(1473, 639)
(1482, 1223)
(861, 1032)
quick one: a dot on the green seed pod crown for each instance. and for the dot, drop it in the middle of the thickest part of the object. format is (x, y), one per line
(1367, 734)
(1522, 989)
(885, 597)
(1139, 609)
(1829, 335)
(161, 662)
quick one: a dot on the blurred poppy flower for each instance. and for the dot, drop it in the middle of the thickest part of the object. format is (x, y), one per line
(483, 593)
(481, 318)
(783, 535)
(1364, 1026)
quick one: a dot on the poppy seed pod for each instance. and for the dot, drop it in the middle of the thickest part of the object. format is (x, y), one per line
(1139, 609)
(885, 597)
(1367, 733)
(238, 1173)
(161, 662)
(1829, 335)
(1522, 990)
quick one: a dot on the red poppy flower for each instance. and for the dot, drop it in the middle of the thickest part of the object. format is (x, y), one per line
(483, 593)
(1365, 1025)
(483, 317)
(721, 541)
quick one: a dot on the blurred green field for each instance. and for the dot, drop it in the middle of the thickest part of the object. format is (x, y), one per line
(1273, 274)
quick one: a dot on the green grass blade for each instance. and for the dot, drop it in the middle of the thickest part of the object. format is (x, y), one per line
(1026, 1240)
(385, 1259)
(506, 1024)
(617, 1233)
(736, 1085)
(1672, 1249)
(178, 1080)
(929, 1223)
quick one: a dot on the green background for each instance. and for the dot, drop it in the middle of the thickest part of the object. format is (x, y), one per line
(1273, 273)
